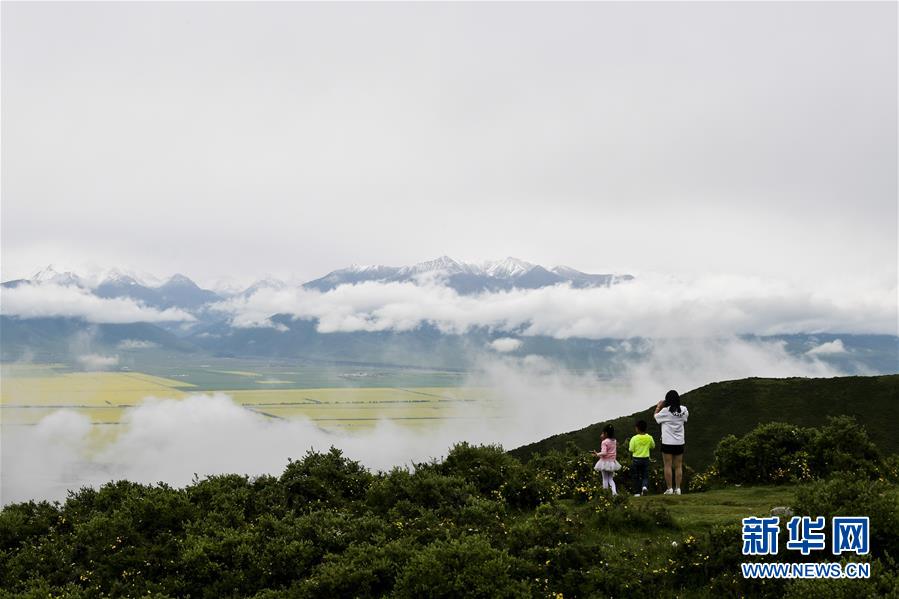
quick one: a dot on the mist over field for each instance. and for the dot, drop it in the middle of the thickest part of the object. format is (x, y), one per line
(172, 440)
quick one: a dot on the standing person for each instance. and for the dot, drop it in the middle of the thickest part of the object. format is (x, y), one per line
(672, 416)
(607, 464)
(639, 447)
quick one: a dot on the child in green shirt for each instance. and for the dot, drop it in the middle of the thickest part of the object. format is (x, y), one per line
(639, 447)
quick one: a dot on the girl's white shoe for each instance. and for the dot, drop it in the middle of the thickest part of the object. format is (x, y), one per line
(669, 492)
(677, 491)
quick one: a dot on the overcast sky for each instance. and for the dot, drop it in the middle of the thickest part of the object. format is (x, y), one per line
(239, 139)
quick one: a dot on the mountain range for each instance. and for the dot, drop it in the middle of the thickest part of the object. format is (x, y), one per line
(52, 338)
(212, 332)
(465, 278)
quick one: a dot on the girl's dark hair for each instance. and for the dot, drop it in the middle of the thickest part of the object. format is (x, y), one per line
(672, 400)
(609, 430)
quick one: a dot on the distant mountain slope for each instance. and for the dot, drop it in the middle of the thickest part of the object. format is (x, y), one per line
(48, 275)
(739, 406)
(467, 278)
(52, 339)
(178, 292)
(425, 346)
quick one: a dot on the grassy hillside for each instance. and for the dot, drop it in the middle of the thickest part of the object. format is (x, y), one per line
(739, 406)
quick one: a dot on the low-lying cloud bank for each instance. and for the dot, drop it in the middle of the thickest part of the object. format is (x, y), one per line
(97, 361)
(47, 300)
(171, 440)
(829, 348)
(650, 306)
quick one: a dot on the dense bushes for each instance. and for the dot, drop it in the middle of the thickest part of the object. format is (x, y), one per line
(468, 566)
(324, 479)
(781, 453)
(479, 523)
(854, 495)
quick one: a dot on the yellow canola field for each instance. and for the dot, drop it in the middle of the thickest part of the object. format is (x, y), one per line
(87, 388)
(99, 395)
(105, 396)
(364, 407)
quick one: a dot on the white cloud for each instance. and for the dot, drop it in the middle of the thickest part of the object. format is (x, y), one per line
(650, 306)
(828, 348)
(97, 361)
(49, 300)
(505, 344)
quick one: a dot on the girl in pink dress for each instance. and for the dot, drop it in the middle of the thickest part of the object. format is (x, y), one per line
(607, 464)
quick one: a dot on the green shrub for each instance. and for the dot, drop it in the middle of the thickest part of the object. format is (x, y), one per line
(487, 467)
(568, 473)
(324, 479)
(479, 515)
(548, 526)
(424, 487)
(526, 487)
(710, 562)
(21, 522)
(781, 453)
(770, 453)
(229, 500)
(883, 583)
(362, 570)
(842, 445)
(891, 468)
(464, 567)
(847, 495)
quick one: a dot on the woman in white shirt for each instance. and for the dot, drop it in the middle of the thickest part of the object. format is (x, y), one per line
(672, 416)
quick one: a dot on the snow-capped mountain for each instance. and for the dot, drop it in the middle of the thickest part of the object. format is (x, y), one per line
(466, 278)
(181, 292)
(49, 275)
(443, 264)
(177, 292)
(510, 267)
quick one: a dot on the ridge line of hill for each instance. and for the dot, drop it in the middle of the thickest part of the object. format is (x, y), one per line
(738, 406)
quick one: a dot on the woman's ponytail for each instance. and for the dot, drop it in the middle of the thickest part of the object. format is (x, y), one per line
(672, 400)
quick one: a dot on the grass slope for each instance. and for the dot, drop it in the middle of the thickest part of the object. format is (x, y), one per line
(736, 407)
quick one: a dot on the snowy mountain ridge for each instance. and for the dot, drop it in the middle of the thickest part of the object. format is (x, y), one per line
(179, 291)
